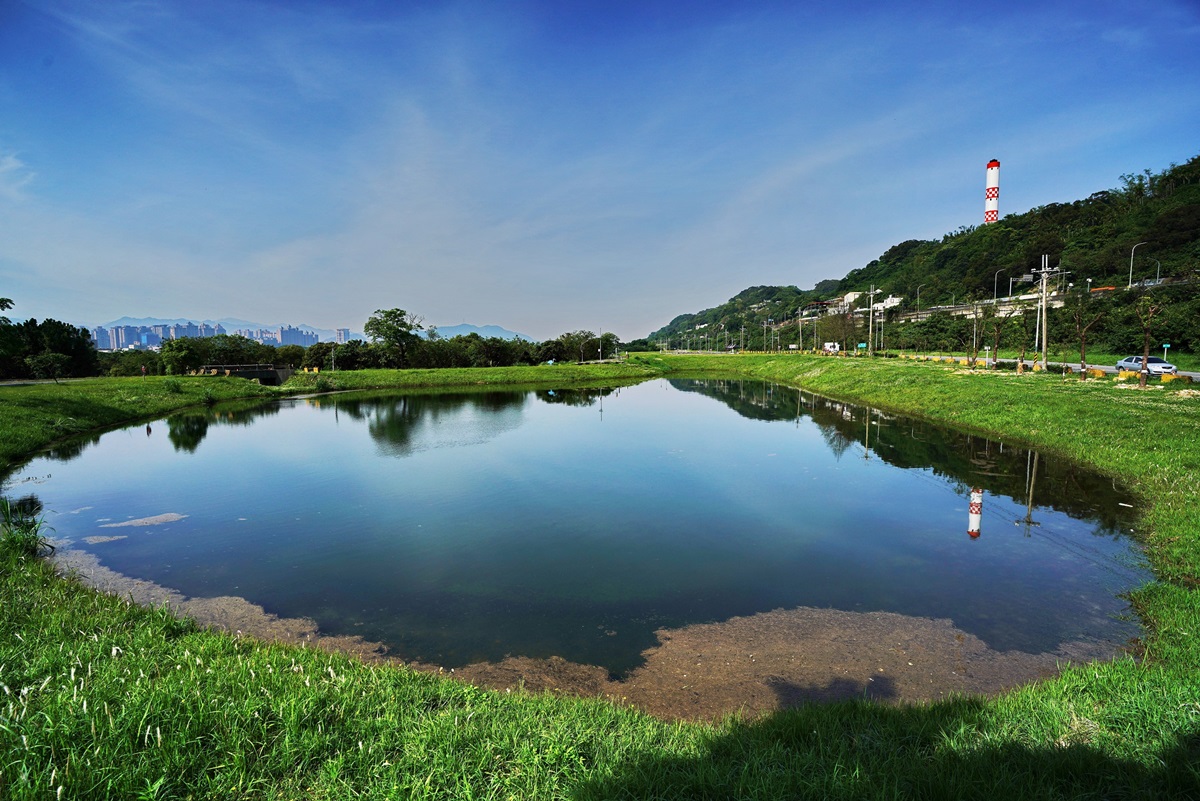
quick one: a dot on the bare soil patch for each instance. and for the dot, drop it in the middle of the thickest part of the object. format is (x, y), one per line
(744, 665)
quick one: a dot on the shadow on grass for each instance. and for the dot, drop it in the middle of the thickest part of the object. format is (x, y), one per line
(860, 749)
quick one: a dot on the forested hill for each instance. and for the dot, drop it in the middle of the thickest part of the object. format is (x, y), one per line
(1089, 238)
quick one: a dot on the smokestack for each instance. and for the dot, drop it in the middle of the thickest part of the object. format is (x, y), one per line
(991, 202)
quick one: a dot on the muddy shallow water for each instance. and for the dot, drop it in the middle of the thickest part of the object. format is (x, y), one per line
(744, 665)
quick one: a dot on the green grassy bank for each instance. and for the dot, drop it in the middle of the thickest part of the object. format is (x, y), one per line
(101, 699)
(34, 416)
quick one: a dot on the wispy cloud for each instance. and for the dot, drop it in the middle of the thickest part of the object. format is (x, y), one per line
(532, 165)
(14, 177)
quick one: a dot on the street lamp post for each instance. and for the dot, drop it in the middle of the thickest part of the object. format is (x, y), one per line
(1131, 252)
(994, 287)
(871, 321)
(919, 302)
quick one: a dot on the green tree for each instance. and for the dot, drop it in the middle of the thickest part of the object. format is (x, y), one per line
(396, 331)
(183, 355)
(1085, 315)
(49, 365)
(29, 339)
(290, 355)
(354, 355)
(318, 355)
(236, 349)
(72, 341)
(130, 363)
(1146, 309)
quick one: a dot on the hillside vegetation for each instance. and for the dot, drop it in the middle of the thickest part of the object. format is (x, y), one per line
(1092, 238)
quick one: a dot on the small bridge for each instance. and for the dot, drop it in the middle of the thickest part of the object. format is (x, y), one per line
(267, 374)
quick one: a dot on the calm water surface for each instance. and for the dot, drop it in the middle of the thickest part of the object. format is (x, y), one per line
(460, 528)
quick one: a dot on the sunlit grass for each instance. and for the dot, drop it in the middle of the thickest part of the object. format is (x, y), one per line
(546, 375)
(36, 415)
(101, 699)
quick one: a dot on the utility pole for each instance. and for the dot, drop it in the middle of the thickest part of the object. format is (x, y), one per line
(1043, 308)
(871, 321)
(882, 318)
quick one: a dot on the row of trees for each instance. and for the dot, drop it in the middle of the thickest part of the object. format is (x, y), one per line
(49, 349)
(397, 341)
(179, 356)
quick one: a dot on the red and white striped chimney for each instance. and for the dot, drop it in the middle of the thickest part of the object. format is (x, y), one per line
(991, 202)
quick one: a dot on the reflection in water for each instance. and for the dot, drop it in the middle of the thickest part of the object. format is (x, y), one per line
(407, 424)
(403, 425)
(26, 506)
(71, 449)
(969, 460)
(1031, 468)
(188, 429)
(574, 397)
(975, 513)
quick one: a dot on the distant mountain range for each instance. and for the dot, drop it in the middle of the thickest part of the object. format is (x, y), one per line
(232, 324)
(485, 331)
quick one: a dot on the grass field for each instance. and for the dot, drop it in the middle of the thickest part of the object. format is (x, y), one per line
(101, 699)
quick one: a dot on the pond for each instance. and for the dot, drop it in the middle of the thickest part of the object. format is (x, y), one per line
(464, 528)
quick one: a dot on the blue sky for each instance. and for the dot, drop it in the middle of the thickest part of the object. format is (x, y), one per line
(544, 166)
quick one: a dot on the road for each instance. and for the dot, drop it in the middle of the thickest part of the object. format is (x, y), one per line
(1107, 368)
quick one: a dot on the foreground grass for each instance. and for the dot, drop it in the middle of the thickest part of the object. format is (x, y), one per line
(108, 700)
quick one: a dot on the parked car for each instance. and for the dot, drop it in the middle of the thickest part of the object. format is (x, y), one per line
(1155, 365)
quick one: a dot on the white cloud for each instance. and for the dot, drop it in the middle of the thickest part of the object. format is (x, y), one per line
(14, 177)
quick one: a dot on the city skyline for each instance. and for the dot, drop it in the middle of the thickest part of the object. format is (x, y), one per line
(142, 333)
(142, 337)
(542, 166)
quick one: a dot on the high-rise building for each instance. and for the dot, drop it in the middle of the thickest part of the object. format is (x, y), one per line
(181, 330)
(287, 335)
(342, 335)
(123, 336)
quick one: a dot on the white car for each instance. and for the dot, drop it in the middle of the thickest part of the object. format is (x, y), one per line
(1155, 365)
